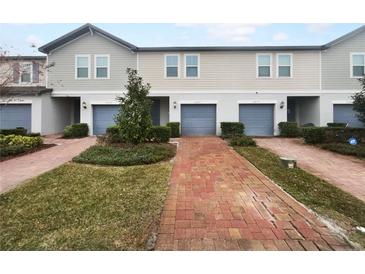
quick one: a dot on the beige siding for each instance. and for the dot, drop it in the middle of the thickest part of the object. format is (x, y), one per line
(62, 75)
(231, 71)
(336, 64)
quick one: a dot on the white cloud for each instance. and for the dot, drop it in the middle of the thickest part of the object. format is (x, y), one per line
(33, 41)
(318, 28)
(280, 36)
(228, 33)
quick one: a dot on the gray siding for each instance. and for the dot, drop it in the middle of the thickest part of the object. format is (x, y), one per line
(336, 64)
(62, 75)
(231, 71)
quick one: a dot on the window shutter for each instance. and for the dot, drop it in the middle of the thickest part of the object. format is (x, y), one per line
(35, 73)
(16, 73)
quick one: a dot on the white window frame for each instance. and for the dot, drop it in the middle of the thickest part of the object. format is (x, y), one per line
(185, 66)
(21, 64)
(89, 66)
(178, 66)
(352, 66)
(291, 65)
(95, 66)
(257, 65)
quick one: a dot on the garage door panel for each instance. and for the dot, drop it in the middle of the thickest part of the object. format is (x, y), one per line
(198, 119)
(344, 113)
(16, 115)
(257, 118)
(103, 117)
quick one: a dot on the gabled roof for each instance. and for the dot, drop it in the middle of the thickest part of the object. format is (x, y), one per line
(344, 37)
(87, 28)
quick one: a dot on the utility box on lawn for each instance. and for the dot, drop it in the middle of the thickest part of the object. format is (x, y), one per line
(288, 162)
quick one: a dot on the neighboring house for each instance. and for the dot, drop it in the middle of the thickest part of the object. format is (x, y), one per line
(25, 100)
(203, 86)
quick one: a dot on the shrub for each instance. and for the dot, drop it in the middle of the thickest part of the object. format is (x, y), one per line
(242, 141)
(113, 134)
(175, 129)
(230, 129)
(76, 131)
(11, 150)
(34, 134)
(346, 149)
(15, 131)
(133, 155)
(314, 135)
(289, 129)
(341, 135)
(15, 140)
(336, 124)
(308, 125)
(159, 134)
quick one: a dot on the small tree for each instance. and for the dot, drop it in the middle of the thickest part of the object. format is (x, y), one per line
(134, 116)
(359, 102)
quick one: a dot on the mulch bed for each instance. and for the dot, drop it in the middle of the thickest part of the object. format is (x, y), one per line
(43, 146)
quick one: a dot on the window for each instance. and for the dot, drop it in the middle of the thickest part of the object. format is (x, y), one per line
(25, 72)
(192, 65)
(102, 66)
(357, 64)
(171, 66)
(264, 65)
(82, 66)
(284, 63)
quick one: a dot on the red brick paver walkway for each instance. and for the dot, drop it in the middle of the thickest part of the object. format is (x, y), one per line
(218, 201)
(345, 172)
(17, 170)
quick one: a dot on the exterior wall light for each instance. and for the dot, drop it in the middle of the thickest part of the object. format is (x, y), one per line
(84, 105)
(174, 104)
(282, 104)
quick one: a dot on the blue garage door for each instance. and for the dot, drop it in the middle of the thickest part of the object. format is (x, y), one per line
(258, 119)
(103, 117)
(16, 115)
(198, 120)
(345, 114)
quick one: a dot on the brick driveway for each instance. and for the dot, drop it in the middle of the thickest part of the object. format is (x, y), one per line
(345, 172)
(17, 170)
(218, 201)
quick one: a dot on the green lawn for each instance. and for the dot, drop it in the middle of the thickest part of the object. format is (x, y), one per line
(324, 198)
(84, 207)
(126, 155)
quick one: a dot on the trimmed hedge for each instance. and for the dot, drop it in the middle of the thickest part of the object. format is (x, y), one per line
(341, 135)
(336, 124)
(159, 134)
(231, 129)
(242, 141)
(308, 125)
(14, 131)
(346, 149)
(76, 131)
(314, 135)
(113, 134)
(175, 129)
(16, 144)
(289, 129)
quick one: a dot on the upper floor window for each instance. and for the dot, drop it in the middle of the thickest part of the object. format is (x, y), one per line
(25, 72)
(191, 65)
(82, 66)
(171, 66)
(357, 64)
(264, 65)
(284, 63)
(102, 66)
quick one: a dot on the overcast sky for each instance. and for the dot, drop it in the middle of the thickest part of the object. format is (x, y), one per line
(19, 38)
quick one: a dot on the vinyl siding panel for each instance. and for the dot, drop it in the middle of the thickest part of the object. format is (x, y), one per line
(61, 76)
(231, 71)
(336, 64)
